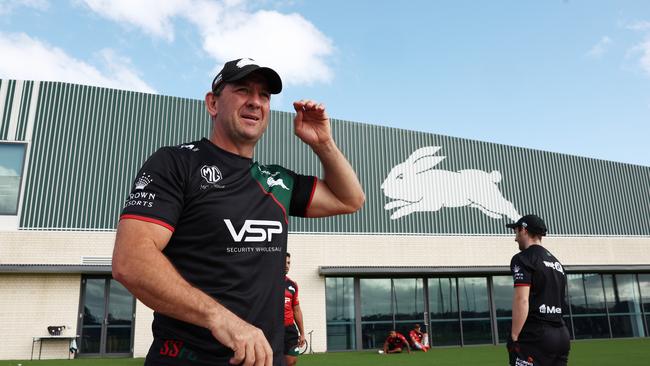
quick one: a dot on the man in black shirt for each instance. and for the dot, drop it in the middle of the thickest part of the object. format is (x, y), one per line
(202, 237)
(538, 335)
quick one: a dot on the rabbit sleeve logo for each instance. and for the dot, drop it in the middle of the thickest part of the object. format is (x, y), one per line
(415, 186)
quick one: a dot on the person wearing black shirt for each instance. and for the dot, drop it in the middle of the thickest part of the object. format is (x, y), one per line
(203, 234)
(538, 335)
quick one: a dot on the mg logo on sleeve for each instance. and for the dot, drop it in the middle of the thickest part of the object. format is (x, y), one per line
(254, 230)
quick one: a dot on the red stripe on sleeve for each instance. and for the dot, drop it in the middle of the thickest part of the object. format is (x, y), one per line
(148, 219)
(311, 195)
(522, 284)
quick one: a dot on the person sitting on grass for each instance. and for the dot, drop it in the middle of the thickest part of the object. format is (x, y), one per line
(395, 343)
(419, 339)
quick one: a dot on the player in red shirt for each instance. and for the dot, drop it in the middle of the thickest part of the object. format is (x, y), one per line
(395, 343)
(419, 339)
(293, 338)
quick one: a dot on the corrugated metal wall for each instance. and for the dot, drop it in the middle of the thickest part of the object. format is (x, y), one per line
(88, 143)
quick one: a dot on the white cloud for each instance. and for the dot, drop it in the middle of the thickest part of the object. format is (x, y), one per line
(641, 52)
(644, 59)
(599, 49)
(287, 42)
(152, 16)
(641, 25)
(7, 6)
(28, 58)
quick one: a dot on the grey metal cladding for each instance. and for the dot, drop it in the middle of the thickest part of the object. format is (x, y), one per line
(88, 142)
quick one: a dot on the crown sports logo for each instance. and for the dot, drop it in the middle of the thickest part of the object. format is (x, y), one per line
(143, 181)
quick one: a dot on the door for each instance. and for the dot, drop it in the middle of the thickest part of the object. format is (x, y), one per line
(106, 318)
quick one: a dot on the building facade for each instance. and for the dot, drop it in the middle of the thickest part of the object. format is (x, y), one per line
(428, 247)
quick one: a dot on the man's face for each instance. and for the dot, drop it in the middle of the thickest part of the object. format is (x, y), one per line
(392, 334)
(243, 110)
(519, 236)
(287, 265)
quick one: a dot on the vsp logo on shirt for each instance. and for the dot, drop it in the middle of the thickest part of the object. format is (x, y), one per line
(254, 230)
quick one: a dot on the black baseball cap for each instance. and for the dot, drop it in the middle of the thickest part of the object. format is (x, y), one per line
(240, 68)
(532, 223)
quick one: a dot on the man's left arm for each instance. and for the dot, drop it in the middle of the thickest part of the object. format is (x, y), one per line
(339, 192)
(297, 315)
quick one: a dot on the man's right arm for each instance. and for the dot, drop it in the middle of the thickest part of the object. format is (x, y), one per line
(138, 263)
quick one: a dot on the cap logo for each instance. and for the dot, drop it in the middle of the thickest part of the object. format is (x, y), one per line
(245, 62)
(524, 224)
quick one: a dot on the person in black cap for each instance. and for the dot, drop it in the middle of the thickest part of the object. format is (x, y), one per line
(203, 234)
(538, 335)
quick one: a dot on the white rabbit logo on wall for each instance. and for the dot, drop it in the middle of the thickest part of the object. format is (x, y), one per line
(415, 186)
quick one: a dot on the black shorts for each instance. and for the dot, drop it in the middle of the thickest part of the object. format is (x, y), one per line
(291, 340)
(173, 352)
(542, 345)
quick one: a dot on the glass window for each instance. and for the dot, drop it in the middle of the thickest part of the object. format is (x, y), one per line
(586, 292)
(443, 307)
(340, 299)
(473, 298)
(624, 304)
(644, 283)
(376, 299)
(339, 293)
(622, 293)
(119, 319)
(475, 310)
(590, 326)
(443, 303)
(503, 290)
(376, 311)
(12, 157)
(577, 294)
(588, 306)
(409, 300)
(107, 317)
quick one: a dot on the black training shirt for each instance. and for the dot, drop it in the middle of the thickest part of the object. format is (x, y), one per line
(229, 218)
(538, 268)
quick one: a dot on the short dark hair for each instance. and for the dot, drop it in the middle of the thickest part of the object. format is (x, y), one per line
(218, 89)
(288, 255)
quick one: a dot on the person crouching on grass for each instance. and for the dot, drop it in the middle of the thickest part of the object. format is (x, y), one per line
(395, 343)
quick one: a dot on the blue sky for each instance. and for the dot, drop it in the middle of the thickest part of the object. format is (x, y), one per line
(569, 76)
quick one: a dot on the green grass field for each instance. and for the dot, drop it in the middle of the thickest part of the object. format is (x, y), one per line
(629, 352)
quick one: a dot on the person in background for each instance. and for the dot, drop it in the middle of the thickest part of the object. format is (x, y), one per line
(538, 335)
(419, 339)
(396, 343)
(294, 332)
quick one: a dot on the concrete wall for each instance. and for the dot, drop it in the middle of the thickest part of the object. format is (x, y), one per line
(28, 303)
